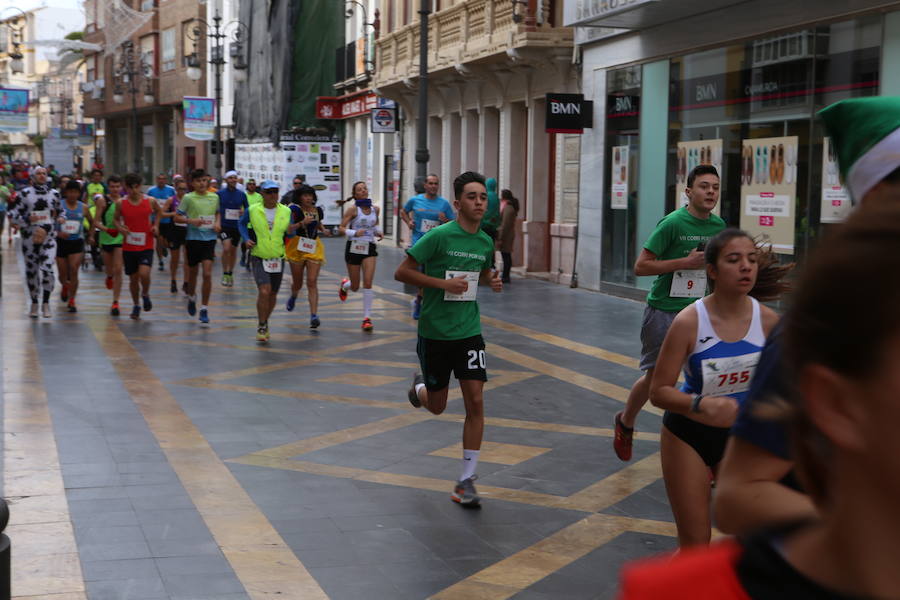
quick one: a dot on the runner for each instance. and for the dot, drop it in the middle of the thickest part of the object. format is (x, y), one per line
(70, 236)
(232, 204)
(423, 213)
(842, 345)
(111, 238)
(35, 212)
(717, 341)
(253, 197)
(456, 258)
(134, 216)
(306, 251)
(673, 253)
(270, 223)
(200, 211)
(174, 234)
(162, 191)
(5, 194)
(360, 225)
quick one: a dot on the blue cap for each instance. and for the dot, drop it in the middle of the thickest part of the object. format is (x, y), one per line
(268, 184)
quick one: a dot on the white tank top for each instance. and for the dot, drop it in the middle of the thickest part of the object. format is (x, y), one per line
(366, 222)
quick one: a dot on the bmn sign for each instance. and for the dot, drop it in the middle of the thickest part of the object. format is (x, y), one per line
(567, 113)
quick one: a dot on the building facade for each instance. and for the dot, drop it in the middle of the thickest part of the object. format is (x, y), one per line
(491, 64)
(676, 83)
(161, 35)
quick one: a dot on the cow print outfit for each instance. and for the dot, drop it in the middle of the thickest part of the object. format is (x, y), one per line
(39, 258)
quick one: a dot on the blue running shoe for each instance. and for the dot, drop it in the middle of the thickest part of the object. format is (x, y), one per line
(292, 301)
(192, 307)
(136, 312)
(204, 316)
(314, 322)
(148, 306)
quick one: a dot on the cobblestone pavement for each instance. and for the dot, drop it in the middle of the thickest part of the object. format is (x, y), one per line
(164, 459)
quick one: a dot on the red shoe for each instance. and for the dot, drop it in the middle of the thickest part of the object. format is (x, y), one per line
(109, 282)
(623, 441)
(342, 291)
(367, 324)
(64, 293)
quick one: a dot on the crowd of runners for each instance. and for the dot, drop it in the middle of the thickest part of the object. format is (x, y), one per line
(782, 424)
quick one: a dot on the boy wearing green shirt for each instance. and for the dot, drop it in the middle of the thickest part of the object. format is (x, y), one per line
(456, 258)
(200, 210)
(674, 253)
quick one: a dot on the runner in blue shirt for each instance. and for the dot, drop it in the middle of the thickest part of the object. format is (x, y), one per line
(421, 214)
(232, 204)
(162, 191)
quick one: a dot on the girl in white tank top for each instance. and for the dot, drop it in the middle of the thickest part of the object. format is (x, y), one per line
(360, 225)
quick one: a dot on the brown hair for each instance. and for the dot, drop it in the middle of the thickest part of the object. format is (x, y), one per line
(770, 275)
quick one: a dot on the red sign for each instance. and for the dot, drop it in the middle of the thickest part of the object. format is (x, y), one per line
(327, 108)
(766, 221)
(345, 107)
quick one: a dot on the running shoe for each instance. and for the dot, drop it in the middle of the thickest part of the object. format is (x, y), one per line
(416, 307)
(314, 322)
(342, 292)
(148, 306)
(204, 316)
(174, 287)
(224, 280)
(367, 324)
(413, 395)
(114, 310)
(64, 293)
(622, 442)
(34, 311)
(135, 312)
(262, 333)
(192, 307)
(109, 282)
(45, 310)
(161, 267)
(292, 301)
(464, 493)
(71, 308)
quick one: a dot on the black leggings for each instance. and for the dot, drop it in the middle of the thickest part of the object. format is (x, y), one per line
(507, 264)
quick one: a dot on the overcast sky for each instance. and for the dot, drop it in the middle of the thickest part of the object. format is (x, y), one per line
(29, 4)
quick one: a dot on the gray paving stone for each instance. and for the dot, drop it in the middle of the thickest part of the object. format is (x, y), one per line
(150, 588)
(108, 570)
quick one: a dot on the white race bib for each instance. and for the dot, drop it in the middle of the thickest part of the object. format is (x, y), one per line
(470, 293)
(271, 265)
(177, 224)
(688, 284)
(359, 248)
(71, 227)
(43, 217)
(429, 224)
(207, 221)
(729, 375)
(233, 214)
(307, 246)
(136, 238)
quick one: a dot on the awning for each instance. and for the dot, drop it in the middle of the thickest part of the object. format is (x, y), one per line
(636, 14)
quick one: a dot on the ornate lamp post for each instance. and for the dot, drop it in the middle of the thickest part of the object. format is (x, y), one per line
(131, 67)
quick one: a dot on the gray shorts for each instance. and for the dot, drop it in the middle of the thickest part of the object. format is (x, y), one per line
(654, 327)
(262, 277)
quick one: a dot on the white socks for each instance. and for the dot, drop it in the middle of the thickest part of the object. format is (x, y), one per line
(368, 296)
(469, 464)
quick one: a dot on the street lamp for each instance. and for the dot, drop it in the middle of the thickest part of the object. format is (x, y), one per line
(16, 64)
(131, 67)
(369, 65)
(218, 33)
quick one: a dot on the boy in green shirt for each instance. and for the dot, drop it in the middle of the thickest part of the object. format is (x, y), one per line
(674, 253)
(200, 210)
(456, 257)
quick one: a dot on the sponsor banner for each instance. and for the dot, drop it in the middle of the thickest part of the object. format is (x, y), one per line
(836, 203)
(693, 154)
(319, 163)
(769, 190)
(199, 118)
(13, 110)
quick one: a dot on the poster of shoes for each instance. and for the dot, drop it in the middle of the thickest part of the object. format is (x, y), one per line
(769, 190)
(836, 203)
(693, 154)
(619, 177)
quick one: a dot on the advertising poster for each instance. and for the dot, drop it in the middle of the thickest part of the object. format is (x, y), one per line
(13, 110)
(318, 160)
(199, 118)
(693, 154)
(836, 203)
(619, 178)
(769, 190)
(259, 161)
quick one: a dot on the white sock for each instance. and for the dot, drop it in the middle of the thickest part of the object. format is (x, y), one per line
(469, 464)
(203, 307)
(419, 387)
(346, 285)
(368, 296)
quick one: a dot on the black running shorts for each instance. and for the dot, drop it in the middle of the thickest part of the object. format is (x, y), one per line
(464, 358)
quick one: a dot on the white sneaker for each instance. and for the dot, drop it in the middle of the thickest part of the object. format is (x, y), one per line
(45, 310)
(34, 311)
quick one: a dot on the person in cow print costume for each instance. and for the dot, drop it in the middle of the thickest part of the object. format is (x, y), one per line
(35, 213)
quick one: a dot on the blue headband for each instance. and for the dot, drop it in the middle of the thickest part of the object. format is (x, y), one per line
(364, 203)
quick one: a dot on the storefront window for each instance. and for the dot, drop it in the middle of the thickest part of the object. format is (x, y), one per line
(620, 195)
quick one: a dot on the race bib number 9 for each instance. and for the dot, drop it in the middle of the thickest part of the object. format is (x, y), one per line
(136, 238)
(71, 227)
(308, 246)
(359, 248)
(728, 375)
(470, 293)
(232, 214)
(688, 284)
(272, 265)
(429, 224)
(207, 221)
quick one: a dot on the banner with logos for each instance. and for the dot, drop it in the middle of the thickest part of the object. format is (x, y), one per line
(199, 118)
(259, 161)
(769, 190)
(317, 159)
(13, 110)
(836, 203)
(619, 177)
(693, 154)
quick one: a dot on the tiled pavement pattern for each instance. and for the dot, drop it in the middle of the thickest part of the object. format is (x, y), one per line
(164, 459)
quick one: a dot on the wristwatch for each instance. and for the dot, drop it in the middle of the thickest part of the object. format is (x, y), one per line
(695, 403)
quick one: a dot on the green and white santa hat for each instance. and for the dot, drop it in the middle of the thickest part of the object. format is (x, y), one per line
(866, 136)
